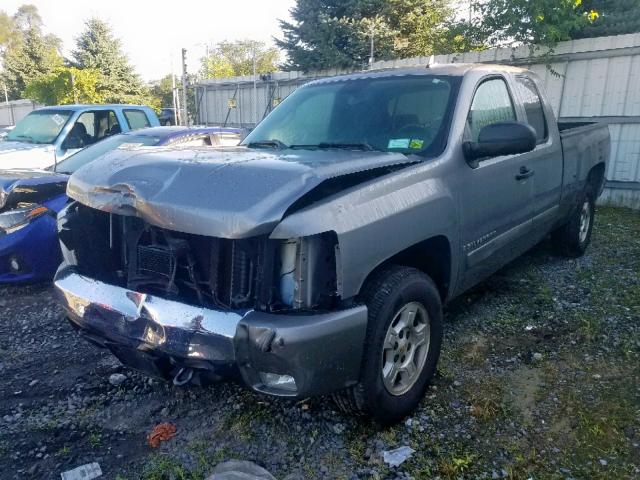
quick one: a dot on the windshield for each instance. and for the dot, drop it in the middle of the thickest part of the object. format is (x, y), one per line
(89, 154)
(408, 114)
(40, 126)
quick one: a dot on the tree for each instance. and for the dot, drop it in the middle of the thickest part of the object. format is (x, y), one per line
(98, 49)
(230, 59)
(615, 17)
(28, 17)
(8, 31)
(328, 34)
(64, 86)
(32, 56)
(162, 91)
(540, 22)
(422, 24)
(332, 34)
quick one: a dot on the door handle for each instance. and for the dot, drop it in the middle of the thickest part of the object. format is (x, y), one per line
(524, 173)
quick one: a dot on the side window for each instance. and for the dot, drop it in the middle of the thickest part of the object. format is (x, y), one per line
(491, 104)
(106, 124)
(112, 125)
(136, 119)
(82, 132)
(533, 107)
(88, 120)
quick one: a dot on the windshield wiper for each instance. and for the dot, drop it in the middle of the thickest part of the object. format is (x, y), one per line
(26, 137)
(267, 144)
(342, 146)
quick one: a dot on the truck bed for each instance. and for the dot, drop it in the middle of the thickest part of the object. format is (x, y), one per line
(584, 145)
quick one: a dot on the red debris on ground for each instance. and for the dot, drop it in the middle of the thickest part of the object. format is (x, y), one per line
(161, 433)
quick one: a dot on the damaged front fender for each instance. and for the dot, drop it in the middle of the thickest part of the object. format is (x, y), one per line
(377, 220)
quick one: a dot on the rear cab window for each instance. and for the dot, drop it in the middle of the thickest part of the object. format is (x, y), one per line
(136, 118)
(534, 110)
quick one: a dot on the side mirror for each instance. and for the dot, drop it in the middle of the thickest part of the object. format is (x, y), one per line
(72, 143)
(505, 138)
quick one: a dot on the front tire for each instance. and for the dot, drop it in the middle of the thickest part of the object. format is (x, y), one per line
(573, 238)
(402, 346)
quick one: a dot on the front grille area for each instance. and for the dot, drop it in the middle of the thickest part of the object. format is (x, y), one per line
(205, 271)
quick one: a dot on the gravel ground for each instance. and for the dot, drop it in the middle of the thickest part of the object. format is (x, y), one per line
(539, 378)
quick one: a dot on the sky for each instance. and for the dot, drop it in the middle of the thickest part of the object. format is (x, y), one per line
(154, 32)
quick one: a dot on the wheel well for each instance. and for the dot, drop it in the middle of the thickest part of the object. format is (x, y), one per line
(596, 177)
(432, 256)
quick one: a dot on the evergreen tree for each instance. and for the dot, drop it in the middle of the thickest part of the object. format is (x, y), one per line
(98, 49)
(328, 34)
(422, 25)
(30, 57)
(27, 53)
(337, 34)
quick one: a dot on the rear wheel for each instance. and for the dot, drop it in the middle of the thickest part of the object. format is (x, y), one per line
(573, 238)
(402, 346)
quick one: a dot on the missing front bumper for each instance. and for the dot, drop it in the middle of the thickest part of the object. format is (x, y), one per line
(322, 352)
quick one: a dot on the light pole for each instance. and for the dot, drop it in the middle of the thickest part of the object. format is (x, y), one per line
(372, 33)
(255, 89)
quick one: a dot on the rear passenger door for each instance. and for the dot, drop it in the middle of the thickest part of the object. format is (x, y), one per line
(495, 207)
(546, 159)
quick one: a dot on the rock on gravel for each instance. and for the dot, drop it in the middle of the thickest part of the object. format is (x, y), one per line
(117, 379)
(240, 470)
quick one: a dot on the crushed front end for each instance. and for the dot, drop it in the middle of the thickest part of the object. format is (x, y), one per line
(184, 306)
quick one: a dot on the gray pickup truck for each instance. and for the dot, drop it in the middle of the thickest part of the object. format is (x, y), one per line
(316, 257)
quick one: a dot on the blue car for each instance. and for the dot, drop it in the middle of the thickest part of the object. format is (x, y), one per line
(30, 200)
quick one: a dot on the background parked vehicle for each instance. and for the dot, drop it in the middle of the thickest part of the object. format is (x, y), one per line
(30, 200)
(4, 131)
(317, 259)
(50, 134)
(167, 116)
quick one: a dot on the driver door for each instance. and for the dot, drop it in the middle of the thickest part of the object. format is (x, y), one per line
(495, 205)
(89, 128)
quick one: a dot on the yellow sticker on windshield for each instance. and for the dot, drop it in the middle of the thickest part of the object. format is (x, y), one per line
(416, 144)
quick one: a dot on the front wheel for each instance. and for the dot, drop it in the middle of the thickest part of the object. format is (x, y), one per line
(402, 346)
(573, 238)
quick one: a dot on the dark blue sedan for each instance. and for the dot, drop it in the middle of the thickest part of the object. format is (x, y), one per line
(30, 200)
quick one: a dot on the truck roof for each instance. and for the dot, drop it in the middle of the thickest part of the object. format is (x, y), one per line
(449, 69)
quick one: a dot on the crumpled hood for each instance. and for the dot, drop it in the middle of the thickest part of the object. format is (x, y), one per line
(29, 186)
(230, 192)
(25, 155)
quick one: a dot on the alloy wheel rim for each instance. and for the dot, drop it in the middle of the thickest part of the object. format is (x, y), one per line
(405, 348)
(585, 221)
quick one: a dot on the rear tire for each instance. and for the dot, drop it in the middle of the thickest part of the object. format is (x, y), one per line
(402, 346)
(573, 238)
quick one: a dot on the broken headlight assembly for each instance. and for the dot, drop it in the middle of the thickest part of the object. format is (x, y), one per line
(308, 272)
(3, 197)
(13, 220)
